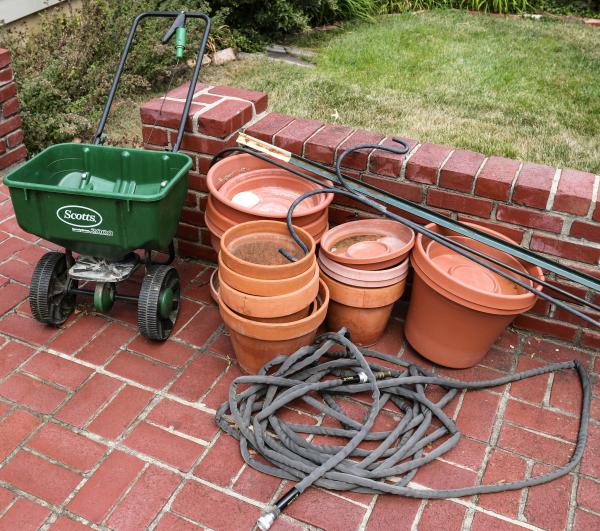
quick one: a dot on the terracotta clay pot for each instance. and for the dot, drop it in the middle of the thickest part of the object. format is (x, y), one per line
(272, 306)
(368, 243)
(363, 278)
(255, 343)
(275, 189)
(457, 308)
(252, 249)
(214, 285)
(365, 312)
(266, 288)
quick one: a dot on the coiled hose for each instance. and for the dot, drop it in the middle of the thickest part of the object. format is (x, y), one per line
(326, 371)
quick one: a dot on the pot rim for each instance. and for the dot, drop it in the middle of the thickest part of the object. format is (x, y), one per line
(264, 331)
(501, 301)
(359, 297)
(260, 306)
(240, 158)
(354, 227)
(268, 271)
(367, 275)
(360, 283)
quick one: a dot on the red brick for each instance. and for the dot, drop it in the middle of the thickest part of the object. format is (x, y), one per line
(11, 295)
(546, 326)
(4, 57)
(27, 329)
(487, 522)
(404, 190)
(548, 505)
(14, 429)
(203, 144)
(39, 477)
(596, 213)
(423, 166)
(564, 249)
(12, 157)
(198, 377)
(121, 412)
(12, 355)
(256, 485)
(529, 218)
(477, 414)
(193, 250)
(222, 462)
(155, 136)
(7, 92)
(187, 232)
(167, 447)
(503, 467)
(167, 114)
(78, 334)
(184, 419)
(268, 126)
(293, 135)
(86, 402)
(201, 327)
(541, 420)
(144, 501)
(390, 164)
(459, 203)
(359, 159)
(587, 494)
(437, 511)
(459, 171)
(496, 177)
(66, 524)
(585, 521)
(67, 447)
(574, 192)
(17, 270)
(516, 235)
(104, 345)
(532, 187)
(220, 392)
(106, 485)
(170, 352)
(24, 515)
(590, 340)
(531, 389)
(11, 226)
(224, 118)
(590, 464)
(11, 246)
(10, 107)
(554, 352)
(32, 393)
(442, 475)
(214, 509)
(140, 370)
(181, 91)
(58, 370)
(322, 146)
(170, 522)
(12, 124)
(259, 99)
(389, 514)
(534, 445)
(585, 231)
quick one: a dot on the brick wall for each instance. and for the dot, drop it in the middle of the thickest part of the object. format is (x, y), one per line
(12, 149)
(549, 210)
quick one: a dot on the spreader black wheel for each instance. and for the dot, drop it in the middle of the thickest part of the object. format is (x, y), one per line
(49, 296)
(158, 304)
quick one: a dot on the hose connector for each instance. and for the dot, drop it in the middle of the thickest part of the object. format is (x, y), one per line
(266, 520)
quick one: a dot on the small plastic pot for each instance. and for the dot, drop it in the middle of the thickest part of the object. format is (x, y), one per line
(252, 249)
(274, 306)
(362, 278)
(266, 288)
(365, 312)
(457, 308)
(368, 243)
(255, 343)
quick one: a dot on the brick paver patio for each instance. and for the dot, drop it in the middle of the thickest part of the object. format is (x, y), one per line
(102, 429)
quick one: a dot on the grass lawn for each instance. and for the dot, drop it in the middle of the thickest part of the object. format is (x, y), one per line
(520, 88)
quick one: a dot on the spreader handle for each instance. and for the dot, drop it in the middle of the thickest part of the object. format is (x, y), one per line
(190, 94)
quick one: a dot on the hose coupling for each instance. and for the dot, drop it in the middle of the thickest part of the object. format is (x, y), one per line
(266, 520)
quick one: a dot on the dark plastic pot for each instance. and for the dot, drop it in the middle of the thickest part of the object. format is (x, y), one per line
(458, 308)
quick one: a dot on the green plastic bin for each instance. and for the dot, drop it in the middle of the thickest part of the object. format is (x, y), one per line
(101, 201)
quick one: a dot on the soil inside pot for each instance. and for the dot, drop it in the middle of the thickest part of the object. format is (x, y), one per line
(263, 249)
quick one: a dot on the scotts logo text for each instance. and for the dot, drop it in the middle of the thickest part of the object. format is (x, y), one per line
(79, 216)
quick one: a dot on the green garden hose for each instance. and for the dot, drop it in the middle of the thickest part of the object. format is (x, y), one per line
(334, 374)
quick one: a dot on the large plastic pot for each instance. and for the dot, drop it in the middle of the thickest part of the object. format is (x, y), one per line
(457, 308)
(245, 173)
(365, 312)
(251, 249)
(255, 343)
(272, 306)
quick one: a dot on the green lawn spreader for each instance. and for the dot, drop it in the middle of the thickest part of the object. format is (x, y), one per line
(103, 203)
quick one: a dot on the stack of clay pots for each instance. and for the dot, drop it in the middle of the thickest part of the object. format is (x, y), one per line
(270, 305)
(244, 188)
(364, 264)
(458, 308)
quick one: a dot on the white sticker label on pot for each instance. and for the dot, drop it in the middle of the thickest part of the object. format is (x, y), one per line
(79, 216)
